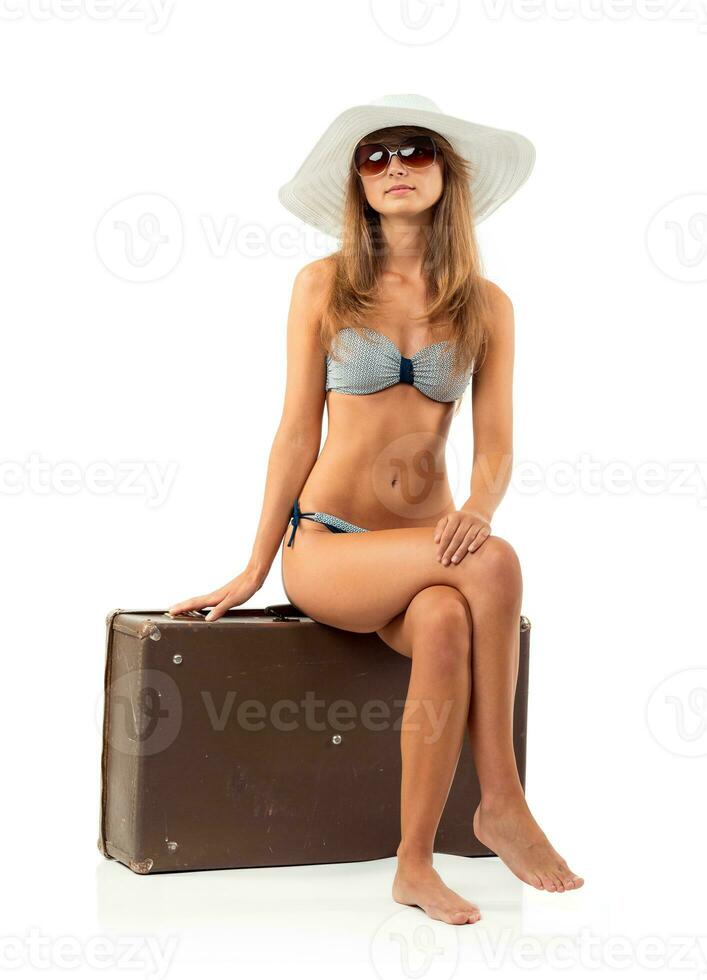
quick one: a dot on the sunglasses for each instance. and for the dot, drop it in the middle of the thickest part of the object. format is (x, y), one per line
(372, 159)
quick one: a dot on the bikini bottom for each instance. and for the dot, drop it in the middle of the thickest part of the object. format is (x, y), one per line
(334, 523)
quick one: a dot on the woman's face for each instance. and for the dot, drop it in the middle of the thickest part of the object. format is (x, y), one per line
(420, 191)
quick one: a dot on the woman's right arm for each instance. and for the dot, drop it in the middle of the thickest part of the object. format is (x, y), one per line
(295, 446)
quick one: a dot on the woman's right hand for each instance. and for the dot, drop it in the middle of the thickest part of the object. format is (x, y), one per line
(234, 593)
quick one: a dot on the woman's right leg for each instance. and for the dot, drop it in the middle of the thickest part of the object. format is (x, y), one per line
(366, 582)
(359, 582)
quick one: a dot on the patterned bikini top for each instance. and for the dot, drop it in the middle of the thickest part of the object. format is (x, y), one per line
(373, 362)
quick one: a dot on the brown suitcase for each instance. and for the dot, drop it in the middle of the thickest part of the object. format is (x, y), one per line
(265, 738)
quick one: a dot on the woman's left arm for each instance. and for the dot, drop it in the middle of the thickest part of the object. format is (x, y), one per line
(466, 529)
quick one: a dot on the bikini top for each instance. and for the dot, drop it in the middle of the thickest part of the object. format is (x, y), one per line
(372, 362)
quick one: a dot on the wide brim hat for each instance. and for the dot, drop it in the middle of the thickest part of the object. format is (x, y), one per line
(501, 160)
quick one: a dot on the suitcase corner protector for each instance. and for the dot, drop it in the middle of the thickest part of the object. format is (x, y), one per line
(111, 616)
(141, 867)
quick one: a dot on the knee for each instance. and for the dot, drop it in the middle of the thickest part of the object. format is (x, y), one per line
(501, 574)
(441, 625)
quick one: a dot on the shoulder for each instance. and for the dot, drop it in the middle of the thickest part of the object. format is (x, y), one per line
(500, 304)
(500, 312)
(314, 279)
(310, 296)
(499, 327)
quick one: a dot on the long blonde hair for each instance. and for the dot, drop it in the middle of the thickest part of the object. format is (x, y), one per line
(451, 260)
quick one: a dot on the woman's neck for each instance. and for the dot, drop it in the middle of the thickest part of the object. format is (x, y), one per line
(406, 242)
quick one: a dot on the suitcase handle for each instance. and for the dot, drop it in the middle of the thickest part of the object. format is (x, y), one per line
(279, 611)
(189, 614)
(283, 611)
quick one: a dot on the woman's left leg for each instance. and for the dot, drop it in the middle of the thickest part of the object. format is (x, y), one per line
(432, 733)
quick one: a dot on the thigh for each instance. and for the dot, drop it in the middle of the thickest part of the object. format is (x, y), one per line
(360, 582)
(422, 614)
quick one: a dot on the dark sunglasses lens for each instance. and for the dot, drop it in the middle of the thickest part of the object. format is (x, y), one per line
(418, 152)
(371, 159)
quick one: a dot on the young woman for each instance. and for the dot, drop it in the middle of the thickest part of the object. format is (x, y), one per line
(402, 315)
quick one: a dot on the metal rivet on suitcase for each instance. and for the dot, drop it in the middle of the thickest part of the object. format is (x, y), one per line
(172, 845)
(177, 658)
(336, 739)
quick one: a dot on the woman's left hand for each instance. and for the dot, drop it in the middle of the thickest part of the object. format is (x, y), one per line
(458, 533)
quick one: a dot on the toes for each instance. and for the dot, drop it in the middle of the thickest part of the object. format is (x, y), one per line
(569, 879)
(559, 883)
(467, 914)
(556, 881)
(565, 875)
(454, 917)
(458, 917)
(471, 915)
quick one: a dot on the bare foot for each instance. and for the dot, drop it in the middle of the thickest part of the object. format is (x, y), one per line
(509, 829)
(417, 883)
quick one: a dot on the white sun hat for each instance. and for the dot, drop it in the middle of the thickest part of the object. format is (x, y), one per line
(502, 160)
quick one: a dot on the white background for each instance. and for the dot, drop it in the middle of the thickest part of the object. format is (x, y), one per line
(211, 107)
